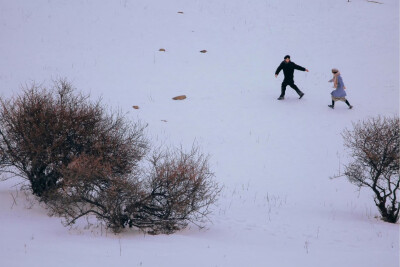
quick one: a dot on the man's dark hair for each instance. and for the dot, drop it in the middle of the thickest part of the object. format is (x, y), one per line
(287, 56)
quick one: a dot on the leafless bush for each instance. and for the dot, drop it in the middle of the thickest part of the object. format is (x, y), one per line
(179, 188)
(374, 146)
(80, 161)
(42, 131)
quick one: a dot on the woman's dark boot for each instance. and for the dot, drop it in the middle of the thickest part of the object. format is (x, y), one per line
(350, 106)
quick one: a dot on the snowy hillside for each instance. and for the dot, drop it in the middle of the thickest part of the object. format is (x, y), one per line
(274, 158)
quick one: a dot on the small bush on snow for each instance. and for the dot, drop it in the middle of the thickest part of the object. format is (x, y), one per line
(374, 146)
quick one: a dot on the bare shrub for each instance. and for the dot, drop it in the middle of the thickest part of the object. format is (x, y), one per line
(177, 190)
(42, 131)
(374, 146)
(81, 161)
(180, 189)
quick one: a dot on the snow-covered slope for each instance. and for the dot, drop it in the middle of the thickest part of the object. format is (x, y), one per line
(274, 158)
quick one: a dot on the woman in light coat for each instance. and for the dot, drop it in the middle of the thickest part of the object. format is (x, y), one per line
(338, 94)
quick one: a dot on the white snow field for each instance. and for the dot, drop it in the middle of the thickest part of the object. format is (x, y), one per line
(279, 206)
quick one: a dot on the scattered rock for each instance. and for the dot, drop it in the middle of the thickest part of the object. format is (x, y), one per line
(161, 50)
(203, 51)
(180, 12)
(135, 107)
(180, 97)
(164, 120)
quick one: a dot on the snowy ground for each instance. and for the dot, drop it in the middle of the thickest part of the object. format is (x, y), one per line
(274, 158)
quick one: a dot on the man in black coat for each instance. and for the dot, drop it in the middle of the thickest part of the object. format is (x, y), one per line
(288, 68)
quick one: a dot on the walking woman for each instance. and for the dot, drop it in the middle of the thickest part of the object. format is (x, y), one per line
(338, 94)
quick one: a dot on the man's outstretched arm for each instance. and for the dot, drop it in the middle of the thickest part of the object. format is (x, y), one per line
(297, 67)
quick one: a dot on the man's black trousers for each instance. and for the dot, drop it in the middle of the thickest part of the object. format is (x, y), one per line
(291, 84)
